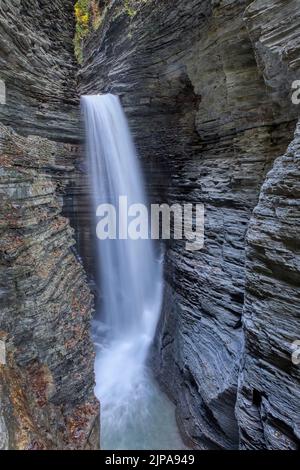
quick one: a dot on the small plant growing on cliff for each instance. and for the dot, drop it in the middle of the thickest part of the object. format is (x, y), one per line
(132, 6)
(129, 8)
(96, 13)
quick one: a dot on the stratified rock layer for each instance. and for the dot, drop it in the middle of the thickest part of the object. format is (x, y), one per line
(269, 392)
(206, 86)
(46, 367)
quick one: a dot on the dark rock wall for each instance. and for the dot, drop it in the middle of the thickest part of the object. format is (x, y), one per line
(269, 398)
(46, 385)
(37, 63)
(206, 86)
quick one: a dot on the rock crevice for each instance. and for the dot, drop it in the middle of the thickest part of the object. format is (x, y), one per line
(207, 89)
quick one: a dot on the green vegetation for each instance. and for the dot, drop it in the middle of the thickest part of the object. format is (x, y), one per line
(96, 14)
(132, 6)
(82, 26)
(129, 8)
(89, 15)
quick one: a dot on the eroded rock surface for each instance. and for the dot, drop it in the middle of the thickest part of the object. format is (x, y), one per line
(269, 391)
(47, 378)
(269, 394)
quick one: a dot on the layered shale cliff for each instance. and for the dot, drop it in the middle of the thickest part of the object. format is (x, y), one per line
(207, 88)
(46, 368)
(269, 383)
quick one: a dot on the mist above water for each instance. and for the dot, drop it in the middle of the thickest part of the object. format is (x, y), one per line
(132, 407)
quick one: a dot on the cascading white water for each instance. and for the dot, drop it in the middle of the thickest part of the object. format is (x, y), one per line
(131, 286)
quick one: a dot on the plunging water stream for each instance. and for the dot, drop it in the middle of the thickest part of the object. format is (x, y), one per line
(134, 412)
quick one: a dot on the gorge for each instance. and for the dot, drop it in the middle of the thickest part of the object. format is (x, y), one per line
(207, 88)
(130, 281)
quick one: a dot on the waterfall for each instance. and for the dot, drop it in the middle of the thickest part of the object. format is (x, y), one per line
(130, 275)
(131, 284)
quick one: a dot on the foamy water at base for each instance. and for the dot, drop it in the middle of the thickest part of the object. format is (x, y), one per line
(135, 414)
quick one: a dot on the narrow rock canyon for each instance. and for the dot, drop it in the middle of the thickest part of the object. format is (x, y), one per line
(207, 88)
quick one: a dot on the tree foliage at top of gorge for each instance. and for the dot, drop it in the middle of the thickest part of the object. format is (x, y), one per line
(89, 15)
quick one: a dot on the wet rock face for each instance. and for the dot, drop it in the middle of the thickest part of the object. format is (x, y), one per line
(268, 398)
(268, 403)
(46, 366)
(206, 86)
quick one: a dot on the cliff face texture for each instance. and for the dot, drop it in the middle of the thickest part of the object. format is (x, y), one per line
(207, 88)
(269, 392)
(46, 368)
